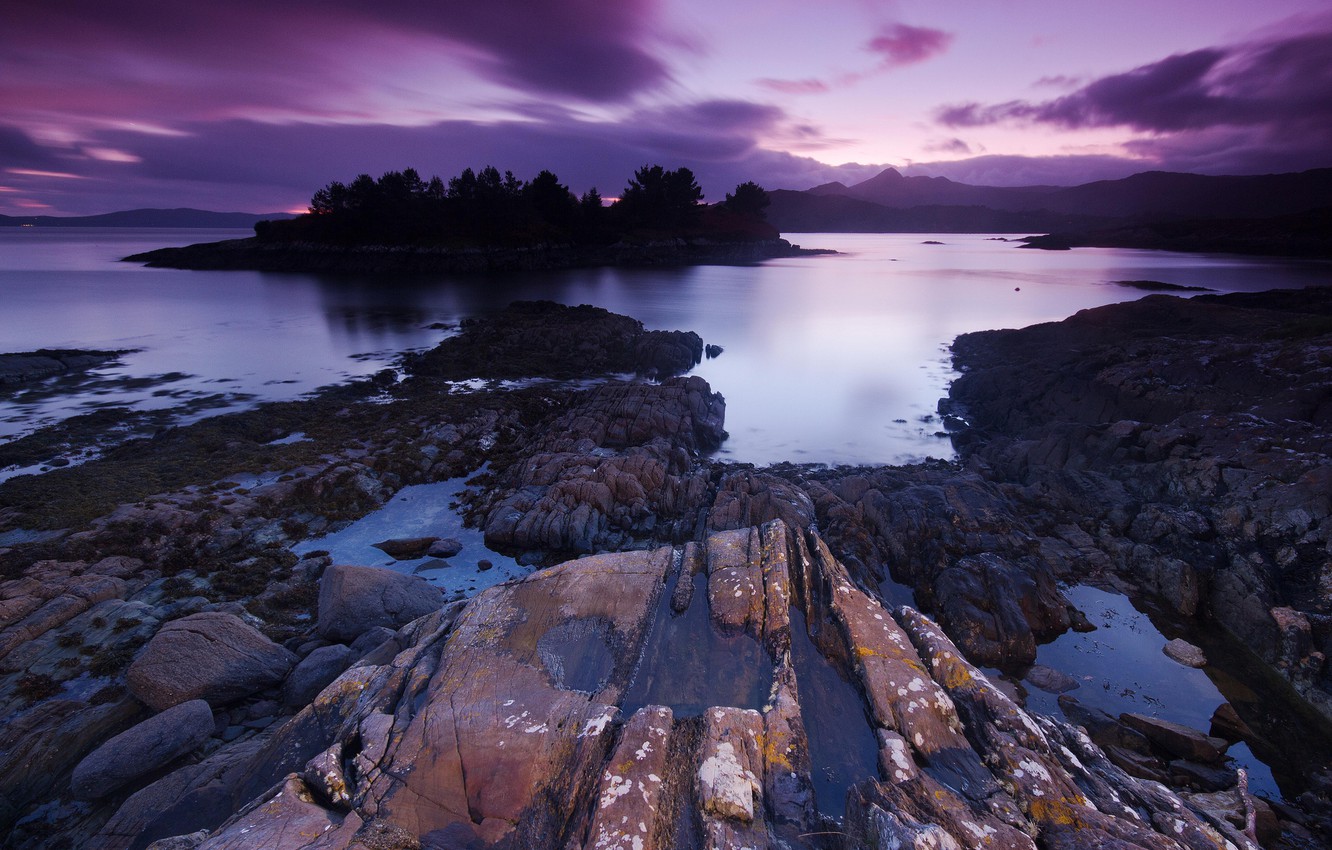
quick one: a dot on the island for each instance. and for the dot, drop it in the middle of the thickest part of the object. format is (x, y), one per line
(694, 652)
(490, 222)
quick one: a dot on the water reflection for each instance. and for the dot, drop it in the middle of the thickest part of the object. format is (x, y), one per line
(829, 359)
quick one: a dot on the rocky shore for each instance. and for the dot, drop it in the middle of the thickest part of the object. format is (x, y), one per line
(721, 667)
(26, 366)
(254, 254)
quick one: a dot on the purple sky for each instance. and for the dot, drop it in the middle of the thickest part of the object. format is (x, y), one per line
(249, 105)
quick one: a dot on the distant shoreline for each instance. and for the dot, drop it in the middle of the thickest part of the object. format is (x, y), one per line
(255, 255)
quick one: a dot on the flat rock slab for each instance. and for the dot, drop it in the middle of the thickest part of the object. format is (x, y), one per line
(353, 600)
(142, 749)
(211, 656)
(1177, 739)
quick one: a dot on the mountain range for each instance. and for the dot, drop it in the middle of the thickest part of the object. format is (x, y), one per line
(891, 202)
(179, 217)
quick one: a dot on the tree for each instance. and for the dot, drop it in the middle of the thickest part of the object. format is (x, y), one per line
(750, 199)
(552, 201)
(659, 198)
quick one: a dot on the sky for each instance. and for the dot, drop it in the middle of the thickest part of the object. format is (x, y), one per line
(252, 105)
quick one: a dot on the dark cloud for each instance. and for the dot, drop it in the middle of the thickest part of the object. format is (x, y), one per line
(953, 145)
(1232, 107)
(902, 44)
(229, 53)
(18, 150)
(265, 166)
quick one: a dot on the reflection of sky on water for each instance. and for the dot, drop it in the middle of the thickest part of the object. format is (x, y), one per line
(1120, 668)
(832, 359)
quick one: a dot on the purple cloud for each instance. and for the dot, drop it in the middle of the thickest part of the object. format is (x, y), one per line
(902, 44)
(1231, 108)
(806, 86)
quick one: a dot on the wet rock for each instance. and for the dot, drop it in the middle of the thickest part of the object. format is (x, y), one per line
(998, 609)
(211, 656)
(1201, 777)
(354, 599)
(142, 749)
(445, 547)
(406, 548)
(1228, 725)
(316, 670)
(1178, 739)
(1185, 653)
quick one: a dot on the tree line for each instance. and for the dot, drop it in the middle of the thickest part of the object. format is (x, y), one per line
(488, 207)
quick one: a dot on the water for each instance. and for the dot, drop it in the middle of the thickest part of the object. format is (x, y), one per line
(832, 359)
(420, 510)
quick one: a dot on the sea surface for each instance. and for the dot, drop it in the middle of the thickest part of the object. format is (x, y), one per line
(828, 359)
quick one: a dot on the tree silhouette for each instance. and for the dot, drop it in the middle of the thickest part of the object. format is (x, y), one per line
(659, 198)
(750, 199)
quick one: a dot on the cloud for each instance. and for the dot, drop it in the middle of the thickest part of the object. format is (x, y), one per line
(953, 145)
(1004, 170)
(164, 60)
(1233, 107)
(261, 166)
(805, 86)
(902, 44)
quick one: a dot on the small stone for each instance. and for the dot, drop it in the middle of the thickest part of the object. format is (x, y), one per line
(484, 565)
(1185, 653)
(406, 548)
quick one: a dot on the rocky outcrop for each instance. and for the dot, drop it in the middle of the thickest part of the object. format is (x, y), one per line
(516, 724)
(1184, 446)
(27, 366)
(621, 465)
(211, 656)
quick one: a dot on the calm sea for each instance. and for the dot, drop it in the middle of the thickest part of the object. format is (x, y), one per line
(832, 359)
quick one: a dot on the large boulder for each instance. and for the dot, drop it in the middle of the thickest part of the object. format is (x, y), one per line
(353, 600)
(211, 656)
(142, 749)
(314, 672)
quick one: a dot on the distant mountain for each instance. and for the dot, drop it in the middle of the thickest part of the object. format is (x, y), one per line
(890, 201)
(180, 217)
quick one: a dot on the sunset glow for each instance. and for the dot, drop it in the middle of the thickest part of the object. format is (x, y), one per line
(245, 105)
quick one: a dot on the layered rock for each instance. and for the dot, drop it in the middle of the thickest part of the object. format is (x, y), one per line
(506, 726)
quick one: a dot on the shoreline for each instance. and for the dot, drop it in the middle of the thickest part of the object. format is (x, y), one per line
(255, 255)
(170, 528)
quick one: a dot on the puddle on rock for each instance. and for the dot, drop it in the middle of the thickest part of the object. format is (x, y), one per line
(577, 656)
(843, 750)
(1120, 668)
(422, 510)
(689, 666)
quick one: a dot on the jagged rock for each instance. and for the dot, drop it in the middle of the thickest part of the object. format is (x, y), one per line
(353, 600)
(1185, 653)
(631, 793)
(142, 749)
(1227, 725)
(316, 670)
(616, 467)
(997, 609)
(211, 656)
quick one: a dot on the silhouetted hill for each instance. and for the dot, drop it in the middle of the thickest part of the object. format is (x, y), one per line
(179, 217)
(802, 212)
(1307, 234)
(891, 202)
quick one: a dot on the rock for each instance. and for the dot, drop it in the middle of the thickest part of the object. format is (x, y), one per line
(1050, 680)
(316, 670)
(997, 609)
(210, 656)
(406, 548)
(445, 547)
(370, 639)
(1177, 739)
(142, 749)
(484, 565)
(631, 790)
(354, 599)
(1228, 725)
(1185, 653)
(1201, 777)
